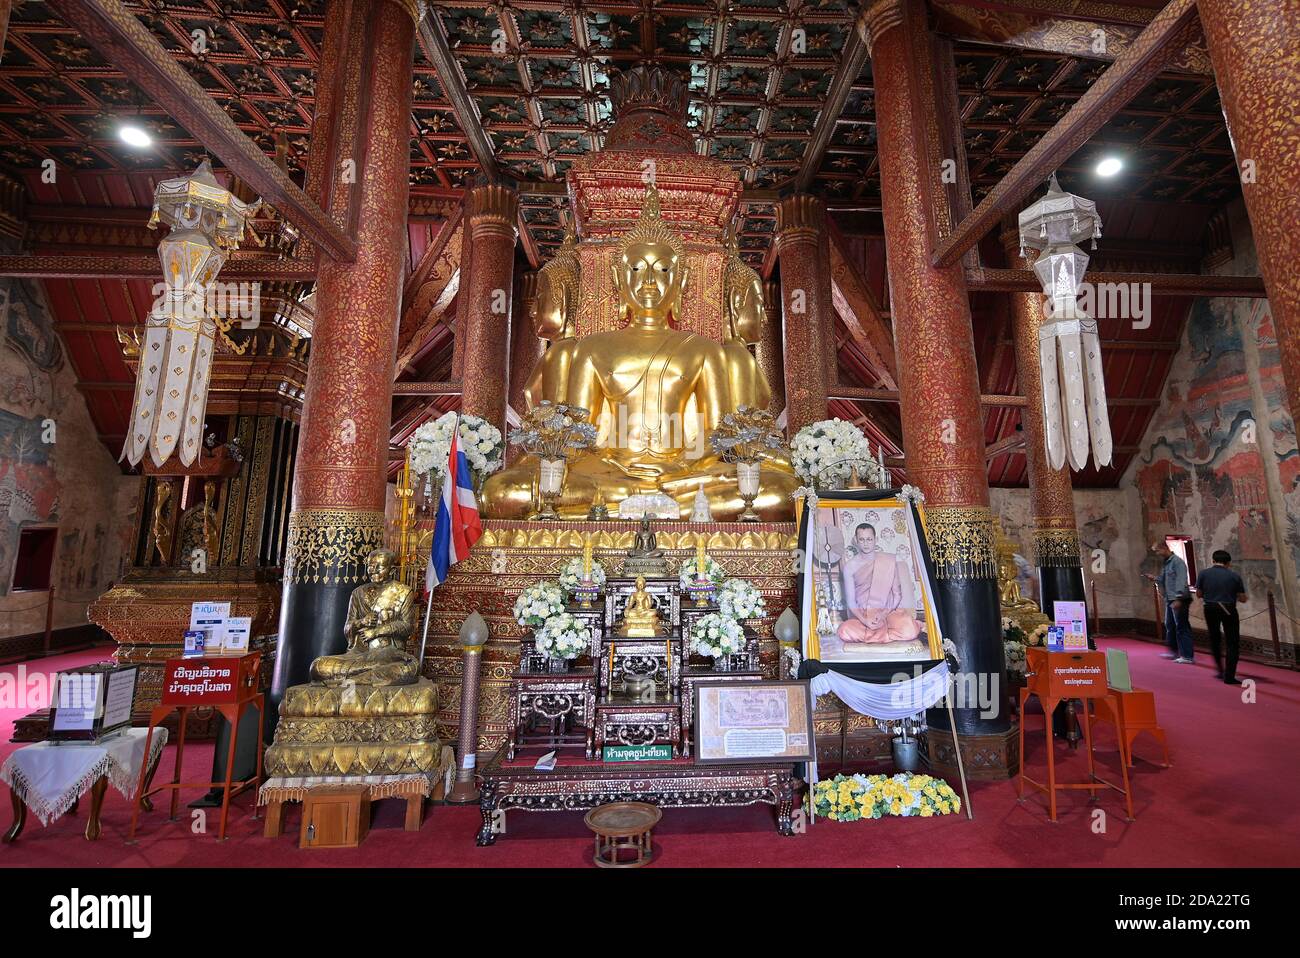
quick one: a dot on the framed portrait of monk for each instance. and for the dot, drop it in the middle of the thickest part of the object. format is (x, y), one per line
(867, 591)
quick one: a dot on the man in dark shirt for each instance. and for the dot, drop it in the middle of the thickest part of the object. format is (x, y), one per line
(1221, 589)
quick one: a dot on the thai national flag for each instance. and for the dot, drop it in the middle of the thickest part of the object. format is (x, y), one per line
(458, 525)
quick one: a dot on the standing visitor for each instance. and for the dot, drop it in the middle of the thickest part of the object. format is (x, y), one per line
(1221, 589)
(1173, 586)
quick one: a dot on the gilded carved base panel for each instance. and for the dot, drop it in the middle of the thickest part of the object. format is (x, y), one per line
(374, 758)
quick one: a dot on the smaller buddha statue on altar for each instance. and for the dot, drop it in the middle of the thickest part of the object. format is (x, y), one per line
(381, 618)
(640, 615)
(645, 557)
(1015, 605)
(554, 316)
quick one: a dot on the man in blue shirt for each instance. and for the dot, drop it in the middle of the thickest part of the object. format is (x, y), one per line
(1221, 589)
(1173, 586)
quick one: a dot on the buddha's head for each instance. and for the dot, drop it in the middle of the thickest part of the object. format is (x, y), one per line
(558, 283)
(379, 565)
(742, 295)
(650, 267)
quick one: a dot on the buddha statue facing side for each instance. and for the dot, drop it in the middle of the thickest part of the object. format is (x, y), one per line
(381, 618)
(554, 314)
(659, 390)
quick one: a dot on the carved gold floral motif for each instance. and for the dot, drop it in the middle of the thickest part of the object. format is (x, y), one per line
(961, 542)
(330, 546)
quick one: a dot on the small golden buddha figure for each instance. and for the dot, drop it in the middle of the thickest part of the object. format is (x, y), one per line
(381, 618)
(640, 616)
(1015, 605)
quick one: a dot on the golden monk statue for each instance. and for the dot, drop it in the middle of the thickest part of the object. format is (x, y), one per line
(640, 616)
(1015, 605)
(381, 618)
(659, 392)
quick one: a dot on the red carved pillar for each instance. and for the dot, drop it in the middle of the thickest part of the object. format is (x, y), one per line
(361, 168)
(1051, 492)
(770, 357)
(806, 311)
(1253, 46)
(937, 379)
(491, 213)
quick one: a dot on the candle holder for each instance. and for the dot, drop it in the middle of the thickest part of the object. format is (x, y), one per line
(586, 593)
(703, 590)
(747, 479)
(550, 483)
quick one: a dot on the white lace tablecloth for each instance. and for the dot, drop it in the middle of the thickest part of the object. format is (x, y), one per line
(50, 778)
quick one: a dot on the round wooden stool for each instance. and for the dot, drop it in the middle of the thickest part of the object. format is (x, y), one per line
(621, 827)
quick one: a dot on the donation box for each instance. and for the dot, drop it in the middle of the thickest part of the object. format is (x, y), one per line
(1065, 675)
(212, 680)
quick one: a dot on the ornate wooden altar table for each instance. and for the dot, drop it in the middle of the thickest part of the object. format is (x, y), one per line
(577, 786)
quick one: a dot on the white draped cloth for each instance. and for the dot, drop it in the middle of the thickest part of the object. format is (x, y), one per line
(50, 777)
(895, 700)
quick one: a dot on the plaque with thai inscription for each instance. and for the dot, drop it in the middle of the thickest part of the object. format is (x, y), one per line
(748, 721)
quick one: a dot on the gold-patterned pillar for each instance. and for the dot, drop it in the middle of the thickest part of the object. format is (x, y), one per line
(485, 295)
(769, 351)
(1255, 48)
(1051, 493)
(340, 474)
(525, 345)
(806, 311)
(938, 379)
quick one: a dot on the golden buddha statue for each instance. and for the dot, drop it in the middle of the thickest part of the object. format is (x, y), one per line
(381, 618)
(746, 315)
(554, 313)
(640, 616)
(1015, 606)
(659, 390)
(366, 711)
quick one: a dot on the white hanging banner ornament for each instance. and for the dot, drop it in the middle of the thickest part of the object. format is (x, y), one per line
(171, 391)
(1075, 416)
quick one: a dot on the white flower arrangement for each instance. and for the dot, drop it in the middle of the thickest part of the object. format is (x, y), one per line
(688, 576)
(539, 602)
(562, 636)
(571, 577)
(739, 600)
(430, 445)
(483, 444)
(714, 635)
(824, 453)
(1015, 652)
(911, 494)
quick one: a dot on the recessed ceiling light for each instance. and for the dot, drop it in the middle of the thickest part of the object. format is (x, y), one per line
(1109, 166)
(134, 136)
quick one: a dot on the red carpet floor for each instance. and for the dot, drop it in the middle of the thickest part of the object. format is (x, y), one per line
(1228, 800)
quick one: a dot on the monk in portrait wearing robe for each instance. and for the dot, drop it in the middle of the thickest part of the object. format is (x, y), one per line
(878, 596)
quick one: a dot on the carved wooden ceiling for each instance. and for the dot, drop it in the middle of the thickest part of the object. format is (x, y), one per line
(522, 93)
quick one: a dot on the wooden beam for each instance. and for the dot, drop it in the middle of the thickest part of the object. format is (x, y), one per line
(436, 48)
(1004, 445)
(143, 266)
(1166, 36)
(426, 389)
(859, 393)
(1162, 284)
(852, 57)
(125, 42)
(866, 325)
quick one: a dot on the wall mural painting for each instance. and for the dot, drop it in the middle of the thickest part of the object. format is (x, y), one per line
(53, 469)
(1204, 470)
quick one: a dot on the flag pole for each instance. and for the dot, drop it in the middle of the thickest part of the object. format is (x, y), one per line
(424, 639)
